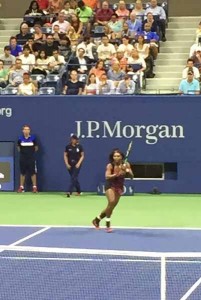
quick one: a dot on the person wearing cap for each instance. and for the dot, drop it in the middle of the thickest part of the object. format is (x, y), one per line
(73, 158)
(190, 64)
(189, 85)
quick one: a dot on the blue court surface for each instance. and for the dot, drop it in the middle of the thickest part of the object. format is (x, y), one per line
(76, 263)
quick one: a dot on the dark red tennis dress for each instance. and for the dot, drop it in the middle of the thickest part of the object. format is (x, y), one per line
(117, 184)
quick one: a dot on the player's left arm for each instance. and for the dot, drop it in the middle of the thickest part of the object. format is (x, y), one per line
(18, 145)
(81, 158)
(35, 145)
(128, 169)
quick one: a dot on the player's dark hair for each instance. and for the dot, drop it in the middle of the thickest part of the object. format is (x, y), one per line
(111, 160)
(26, 126)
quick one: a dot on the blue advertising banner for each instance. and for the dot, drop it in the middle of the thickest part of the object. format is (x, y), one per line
(164, 130)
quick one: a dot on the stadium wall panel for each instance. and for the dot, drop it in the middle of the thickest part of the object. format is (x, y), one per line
(165, 129)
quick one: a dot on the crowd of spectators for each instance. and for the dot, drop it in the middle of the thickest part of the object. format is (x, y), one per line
(191, 75)
(92, 47)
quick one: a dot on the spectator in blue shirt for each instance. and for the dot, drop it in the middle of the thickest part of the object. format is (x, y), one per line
(149, 35)
(134, 25)
(190, 85)
(152, 38)
(115, 73)
(159, 15)
(126, 86)
(15, 49)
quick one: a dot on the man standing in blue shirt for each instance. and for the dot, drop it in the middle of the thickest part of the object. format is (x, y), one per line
(190, 85)
(73, 158)
(27, 147)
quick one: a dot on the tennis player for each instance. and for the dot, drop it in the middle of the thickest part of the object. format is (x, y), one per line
(115, 173)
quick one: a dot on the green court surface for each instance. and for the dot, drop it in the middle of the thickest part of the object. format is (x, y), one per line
(141, 210)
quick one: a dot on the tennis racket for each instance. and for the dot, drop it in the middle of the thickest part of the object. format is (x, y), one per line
(126, 158)
(128, 151)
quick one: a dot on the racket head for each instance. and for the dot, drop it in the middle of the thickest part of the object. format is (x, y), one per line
(128, 150)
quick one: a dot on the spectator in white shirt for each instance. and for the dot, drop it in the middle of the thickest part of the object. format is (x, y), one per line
(159, 13)
(28, 59)
(56, 62)
(125, 47)
(136, 64)
(106, 50)
(80, 63)
(42, 63)
(62, 23)
(89, 47)
(26, 88)
(91, 85)
(196, 72)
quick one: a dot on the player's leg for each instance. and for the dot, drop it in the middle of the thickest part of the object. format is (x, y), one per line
(22, 175)
(113, 199)
(96, 221)
(71, 185)
(34, 183)
(32, 172)
(76, 181)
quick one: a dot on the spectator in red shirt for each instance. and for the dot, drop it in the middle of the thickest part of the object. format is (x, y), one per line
(43, 4)
(104, 14)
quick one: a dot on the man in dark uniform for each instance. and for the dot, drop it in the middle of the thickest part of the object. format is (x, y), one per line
(73, 158)
(27, 146)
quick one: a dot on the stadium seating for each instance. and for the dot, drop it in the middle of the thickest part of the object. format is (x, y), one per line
(95, 31)
(39, 78)
(46, 91)
(10, 90)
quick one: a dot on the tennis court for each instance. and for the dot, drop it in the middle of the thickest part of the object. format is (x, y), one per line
(75, 261)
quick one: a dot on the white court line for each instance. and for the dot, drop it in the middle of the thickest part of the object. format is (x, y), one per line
(88, 259)
(158, 261)
(191, 290)
(117, 227)
(29, 236)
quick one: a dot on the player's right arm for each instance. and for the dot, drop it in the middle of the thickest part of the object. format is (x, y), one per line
(35, 144)
(108, 172)
(128, 170)
(66, 160)
(18, 145)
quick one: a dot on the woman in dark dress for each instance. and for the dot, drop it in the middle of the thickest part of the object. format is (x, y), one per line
(115, 173)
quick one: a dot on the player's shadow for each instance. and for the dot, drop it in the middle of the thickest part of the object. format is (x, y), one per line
(141, 233)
